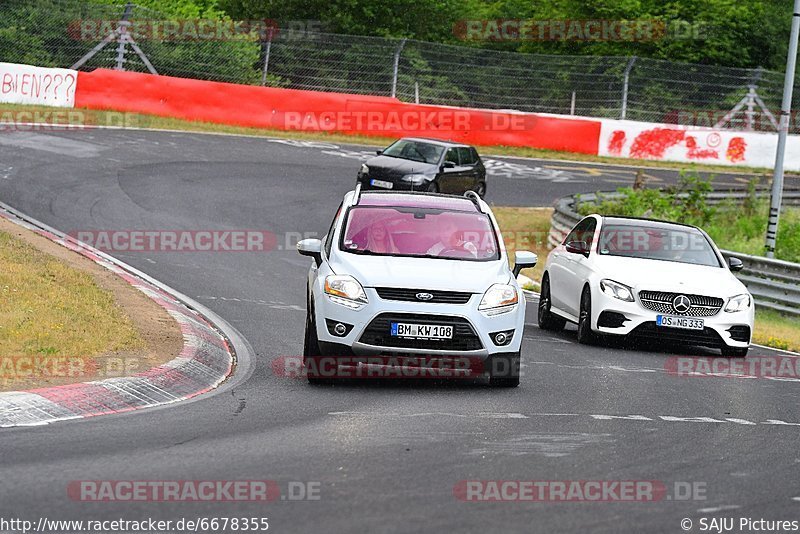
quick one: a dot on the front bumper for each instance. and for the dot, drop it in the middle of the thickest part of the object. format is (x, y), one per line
(722, 328)
(365, 335)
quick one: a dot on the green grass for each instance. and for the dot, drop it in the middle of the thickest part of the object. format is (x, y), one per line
(525, 229)
(775, 330)
(50, 309)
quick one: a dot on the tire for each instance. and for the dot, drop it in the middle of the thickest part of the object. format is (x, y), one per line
(311, 350)
(481, 189)
(585, 334)
(433, 187)
(504, 370)
(734, 352)
(547, 319)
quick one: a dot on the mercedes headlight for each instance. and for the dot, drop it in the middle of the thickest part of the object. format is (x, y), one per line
(500, 298)
(616, 290)
(738, 303)
(364, 169)
(416, 179)
(345, 290)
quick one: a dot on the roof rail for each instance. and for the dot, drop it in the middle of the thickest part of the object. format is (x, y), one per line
(475, 198)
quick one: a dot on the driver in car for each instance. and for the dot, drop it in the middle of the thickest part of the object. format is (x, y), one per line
(451, 239)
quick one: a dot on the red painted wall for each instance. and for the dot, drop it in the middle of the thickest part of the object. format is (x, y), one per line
(289, 109)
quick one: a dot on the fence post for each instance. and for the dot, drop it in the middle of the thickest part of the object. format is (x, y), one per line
(121, 35)
(625, 80)
(121, 43)
(783, 131)
(396, 66)
(572, 104)
(266, 57)
(416, 92)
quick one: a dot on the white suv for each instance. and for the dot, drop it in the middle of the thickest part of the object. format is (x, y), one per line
(416, 279)
(661, 281)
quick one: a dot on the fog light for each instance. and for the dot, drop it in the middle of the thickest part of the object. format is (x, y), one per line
(337, 328)
(502, 338)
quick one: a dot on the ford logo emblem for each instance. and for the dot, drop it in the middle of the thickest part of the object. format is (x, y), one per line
(424, 296)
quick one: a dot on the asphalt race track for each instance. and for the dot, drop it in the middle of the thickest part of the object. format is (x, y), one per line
(387, 456)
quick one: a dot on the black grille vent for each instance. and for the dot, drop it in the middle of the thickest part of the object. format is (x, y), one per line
(708, 337)
(410, 295)
(379, 333)
(740, 333)
(661, 302)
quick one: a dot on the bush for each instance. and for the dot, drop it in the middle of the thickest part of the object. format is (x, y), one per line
(732, 225)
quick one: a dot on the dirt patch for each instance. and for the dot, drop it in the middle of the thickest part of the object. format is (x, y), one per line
(159, 331)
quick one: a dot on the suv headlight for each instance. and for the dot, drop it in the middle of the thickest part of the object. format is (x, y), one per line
(345, 290)
(415, 179)
(738, 303)
(500, 298)
(364, 169)
(616, 290)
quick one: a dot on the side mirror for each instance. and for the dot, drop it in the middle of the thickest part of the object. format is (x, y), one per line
(448, 165)
(311, 247)
(379, 152)
(735, 264)
(524, 260)
(578, 247)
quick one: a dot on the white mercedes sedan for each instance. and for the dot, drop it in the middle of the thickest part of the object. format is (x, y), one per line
(646, 279)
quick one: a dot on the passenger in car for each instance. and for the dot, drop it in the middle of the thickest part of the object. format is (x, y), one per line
(379, 239)
(450, 239)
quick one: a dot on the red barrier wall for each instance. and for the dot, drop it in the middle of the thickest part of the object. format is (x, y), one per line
(289, 109)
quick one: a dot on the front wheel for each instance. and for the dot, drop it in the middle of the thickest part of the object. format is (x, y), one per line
(547, 319)
(481, 189)
(585, 334)
(433, 187)
(311, 351)
(504, 370)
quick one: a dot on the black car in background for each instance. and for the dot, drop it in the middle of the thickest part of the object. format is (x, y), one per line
(425, 165)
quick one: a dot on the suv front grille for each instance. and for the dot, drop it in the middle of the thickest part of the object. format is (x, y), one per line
(378, 333)
(661, 302)
(410, 295)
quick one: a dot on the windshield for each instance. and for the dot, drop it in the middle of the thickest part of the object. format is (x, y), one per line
(419, 232)
(665, 243)
(415, 151)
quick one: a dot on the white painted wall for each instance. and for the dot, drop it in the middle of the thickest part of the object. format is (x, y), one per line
(25, 84)
(665, 142)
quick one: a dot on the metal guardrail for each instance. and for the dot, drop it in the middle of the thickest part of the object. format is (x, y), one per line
(774, 284)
